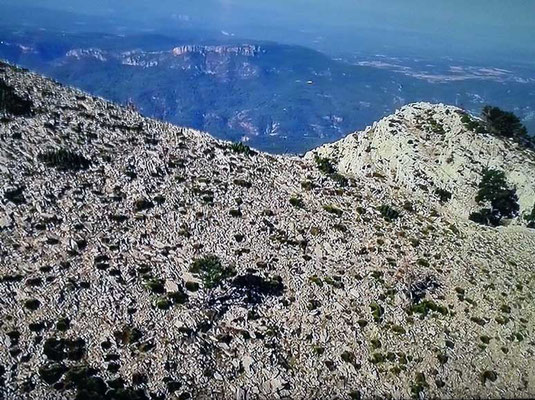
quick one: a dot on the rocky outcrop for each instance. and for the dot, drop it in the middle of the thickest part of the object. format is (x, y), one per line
(143, 260)
(427, 148)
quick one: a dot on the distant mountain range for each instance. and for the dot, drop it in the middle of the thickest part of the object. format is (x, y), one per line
(276, 97)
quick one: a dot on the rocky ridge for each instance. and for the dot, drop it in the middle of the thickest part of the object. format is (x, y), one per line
(427, 147)
(143, 260)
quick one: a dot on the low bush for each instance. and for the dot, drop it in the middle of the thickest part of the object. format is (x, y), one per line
(325, 166)
(241, 148)
(443, 194)
(388, 212)
(11, 103)
(530, 218)
(64, 160)
(211, 271)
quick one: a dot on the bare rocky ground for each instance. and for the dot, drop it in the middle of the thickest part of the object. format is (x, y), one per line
(142, 260)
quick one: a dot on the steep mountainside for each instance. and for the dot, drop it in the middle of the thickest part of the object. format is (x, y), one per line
(142, 260)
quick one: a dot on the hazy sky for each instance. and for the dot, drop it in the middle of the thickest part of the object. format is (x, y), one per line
(504, 27)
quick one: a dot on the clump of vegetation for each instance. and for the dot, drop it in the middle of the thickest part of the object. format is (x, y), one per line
(12, 103)
(424, 307)
(211, 271)
(142, 205)
(530, 218)
(63, 324)
(255, 288)
(61, 349)
(32, 304)
(443, 195)
(388, 212)
(64, 160)
(471, 124)
(297, 202)
(503, 200)
(348, 357)
(325, 166)
(436, 127)
(333, 209)
(377, 312)
(503, 123)
(155, 285)
(16, 196)
(307, 185)
(52, 372)
(419, 385)
(128, 335)
(488, 376)
(243, 183)
(241, 148)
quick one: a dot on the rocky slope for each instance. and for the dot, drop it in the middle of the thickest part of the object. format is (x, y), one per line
(143, 260)
(424, 147)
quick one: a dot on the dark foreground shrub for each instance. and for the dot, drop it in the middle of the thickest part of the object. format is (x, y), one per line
(64, 160)
(11, 103)
(531, 218)
(388, 212)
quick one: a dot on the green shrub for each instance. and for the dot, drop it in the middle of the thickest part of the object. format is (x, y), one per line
(11, 103)
(64, 160)
(503, 200)
(531, 218)
(296, 202)
(324, 165)
(340, 179)
(503, 123)
(211, 271)
(388, 212)
(471, 124)
(443, 194)
(241, 148)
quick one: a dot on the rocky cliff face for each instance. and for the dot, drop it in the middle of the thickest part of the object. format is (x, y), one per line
(207, 59)
(143, 260)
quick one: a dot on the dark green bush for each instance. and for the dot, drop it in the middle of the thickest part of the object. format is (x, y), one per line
(443, 194)
(211, 270)
(64, 160)
(296, 202)
(531, 218)
(254, 288)
(11, 103)
(241, 148)
(503, 123)
(324, 165)
(503, 200)
(332, 209)
(471, 124)
(388, 212)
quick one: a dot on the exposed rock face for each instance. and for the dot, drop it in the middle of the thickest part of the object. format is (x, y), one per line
(424, 147)
(178, 57)
(143, 260)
